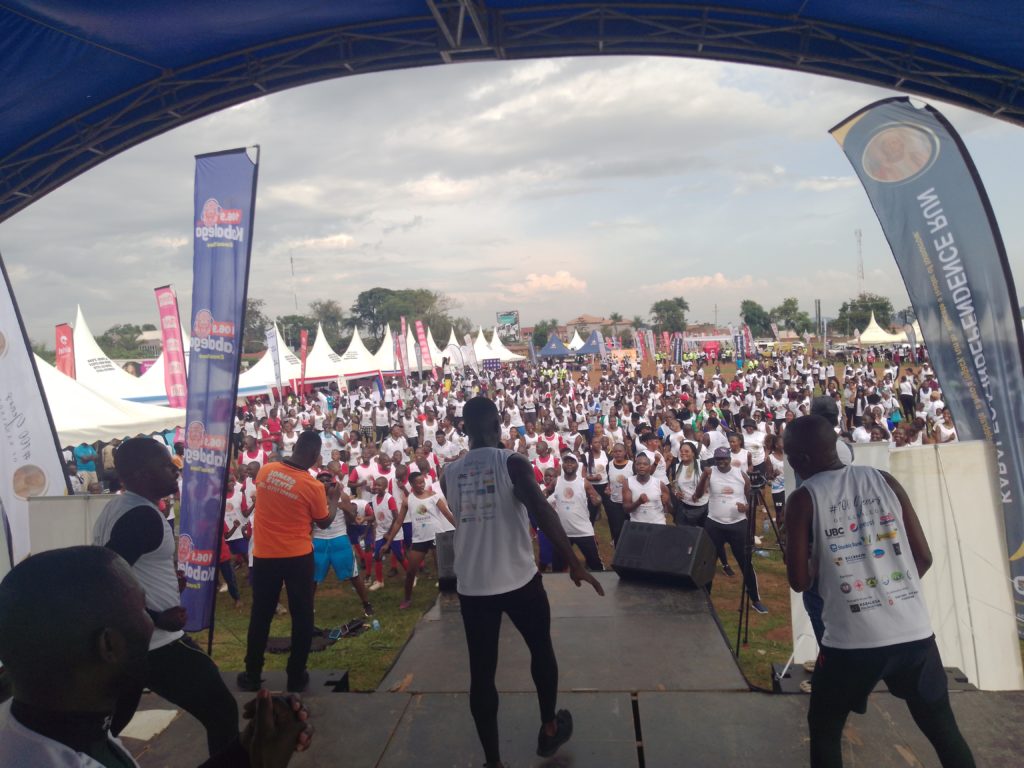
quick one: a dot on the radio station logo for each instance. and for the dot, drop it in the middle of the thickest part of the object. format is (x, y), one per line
(218, 223)
(878, 553)
(212, 335)
(899, 151)
(1018, 585)
(198, 563)
(204, 448)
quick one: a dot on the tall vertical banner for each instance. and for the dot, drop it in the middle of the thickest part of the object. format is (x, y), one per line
(65, 346)
(225, 201)
(424, 355)
(403, 344)
(650, 344)
(602, 347)
(303, 351)
(275, 358)
(748, 339)
(939, 223)
(532, 351)
(638, 341)
(175, 377)
(469, 351)
(396, 350)
(30, 458)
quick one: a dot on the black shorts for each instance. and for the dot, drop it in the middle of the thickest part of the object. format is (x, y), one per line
(843, 678)
(422, 546)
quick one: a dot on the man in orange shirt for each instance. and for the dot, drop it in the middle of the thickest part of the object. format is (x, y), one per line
(289, 500)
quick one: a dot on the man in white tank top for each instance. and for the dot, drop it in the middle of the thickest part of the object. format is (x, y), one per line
(492, 492)
(854, 530)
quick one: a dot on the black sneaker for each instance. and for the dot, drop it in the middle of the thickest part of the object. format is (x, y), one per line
(758, 606)
(367, 609)
(247, 682)
(548, 745)
(298, 683)
(728, 571)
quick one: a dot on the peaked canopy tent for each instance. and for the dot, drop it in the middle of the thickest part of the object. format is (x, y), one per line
(97, 371)
(592, 347)
(385, 358)
(92, 79)
(482, 348)
(575, 342)
(875, 334)
(322, 362)
(503, 353)
(435, 351)
(257, 379)
(555, 348)
(356, 361)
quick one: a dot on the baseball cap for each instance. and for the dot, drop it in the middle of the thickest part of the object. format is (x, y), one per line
(722, 453)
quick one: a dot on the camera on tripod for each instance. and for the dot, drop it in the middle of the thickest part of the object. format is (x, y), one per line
(757, 480)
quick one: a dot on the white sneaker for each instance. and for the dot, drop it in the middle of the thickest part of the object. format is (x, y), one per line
(223, 588)
(376, 585)
(415, 581)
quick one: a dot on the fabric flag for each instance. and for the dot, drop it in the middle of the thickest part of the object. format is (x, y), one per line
(775, 330)
(275, 358)
(601, 346)
(225, 202)
(403, 343)
(911, 340)
(421, 336)
(470, 353)
(748, 339)
(649, 343)
(396, 350)
(638, 340)
(175, 376)
(31, 463)
(303, 351)
(533, 352)
(665, 340)
(65, 347)
(937, 218)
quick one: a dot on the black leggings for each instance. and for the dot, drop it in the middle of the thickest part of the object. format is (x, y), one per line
(181, 673)
(616, 515)
(268, 574)
(595, 509)
(735, 535)
(587, 545)
(530, 612)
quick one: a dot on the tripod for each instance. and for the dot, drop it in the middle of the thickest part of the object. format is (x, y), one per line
(755, 501)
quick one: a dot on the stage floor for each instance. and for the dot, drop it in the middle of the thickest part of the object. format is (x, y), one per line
(647, 675)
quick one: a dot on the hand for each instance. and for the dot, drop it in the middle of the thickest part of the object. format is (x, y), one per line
(742, 507)
(643, 499)
(334, 492)
(278, 727)
(607, 490)
(579, 574)
(172, 619)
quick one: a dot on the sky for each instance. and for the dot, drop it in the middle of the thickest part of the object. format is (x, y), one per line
(555, 187)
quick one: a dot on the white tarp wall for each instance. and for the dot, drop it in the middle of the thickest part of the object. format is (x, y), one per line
(968, 588)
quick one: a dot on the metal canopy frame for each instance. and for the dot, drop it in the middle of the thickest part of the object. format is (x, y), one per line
(469, 30)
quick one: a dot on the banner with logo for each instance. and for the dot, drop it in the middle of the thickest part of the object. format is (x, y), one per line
(939, 223)
(469, 352)
(65, 346)
(225, 201)
(508, 326)
(303, 351)
(275, 358)
(424, 355)
(748, 339)
(532, 352)
(775, 330)
(175, 377)
(403, 345)
(31, 463)
(602, 347)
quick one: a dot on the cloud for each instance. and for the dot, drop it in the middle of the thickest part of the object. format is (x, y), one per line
(339, 240)
(715, 282)
(827, 183)
(561, 281)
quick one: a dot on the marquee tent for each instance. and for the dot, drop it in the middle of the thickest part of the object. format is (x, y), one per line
(575, 342)
(453, 340)
(83, 415)
(592, 347)
(499, 350)
(154, 388)
(412, 345)
(95, 370)
(92, 79)
(481, 348)
(555, 348)
(875, 334)
(435, 351)
(357, 361)
(322, 362)
(385, 358)
(257, 379)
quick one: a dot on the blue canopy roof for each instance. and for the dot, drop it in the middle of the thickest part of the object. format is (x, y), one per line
(83, 81)
(592, 347)
(555, 348)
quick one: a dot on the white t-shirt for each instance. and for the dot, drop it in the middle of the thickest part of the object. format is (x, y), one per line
(726, 491)
(651, 511)
(755, 444)
(615, 475)
(384, 510)
(426, 517)
(570, 502)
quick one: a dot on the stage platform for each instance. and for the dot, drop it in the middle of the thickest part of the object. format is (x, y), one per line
(649, 679)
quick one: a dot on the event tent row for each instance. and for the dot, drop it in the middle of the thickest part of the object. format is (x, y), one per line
(875, 334)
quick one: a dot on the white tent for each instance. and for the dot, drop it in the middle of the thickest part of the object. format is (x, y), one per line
(435, 351)
(82, 415)
(575, 342)
(154, 388)
(412, 345)
(385, 359)
(482, 348)
(322, 362)
(503, 353)
(256, 380)
(875, 334)
(357, 360)
(453, 340)
(95, 370)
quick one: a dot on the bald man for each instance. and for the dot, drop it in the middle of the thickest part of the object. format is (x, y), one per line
(853, 530)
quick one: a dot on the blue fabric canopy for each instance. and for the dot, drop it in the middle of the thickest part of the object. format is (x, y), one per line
(555, 348)
(592, 347)
(83, 81)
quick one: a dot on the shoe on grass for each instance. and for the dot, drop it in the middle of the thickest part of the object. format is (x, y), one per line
(367, 609)
(758, 606)
(404, 605)
(727, 570)
(548, 745)
(376, 585)
(248, 682)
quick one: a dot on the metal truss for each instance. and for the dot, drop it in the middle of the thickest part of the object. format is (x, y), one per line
(468, 30)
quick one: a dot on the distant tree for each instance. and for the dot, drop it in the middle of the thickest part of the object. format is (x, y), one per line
(542, 331)
(48, 355)
(627, 338)
(855, 314)
(291, 327)
(119, 341)
(906, 316)
(756, 317)
(256, 324)
(616, 319)
(378, 307)
(148, 327)
(331, 316)
(638, 322)
(670, 314)
(789, 316)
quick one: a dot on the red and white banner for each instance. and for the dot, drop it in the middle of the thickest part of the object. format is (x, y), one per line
(421, 336)
(402, 351)
(175, 377)
(65, 346)
(666, 341)
(303, 349)
(748, 338)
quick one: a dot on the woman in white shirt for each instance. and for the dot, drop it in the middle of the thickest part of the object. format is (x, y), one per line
(688, 509)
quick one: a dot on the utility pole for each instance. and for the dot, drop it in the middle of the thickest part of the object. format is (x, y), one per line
(716, 318)
(860, 261)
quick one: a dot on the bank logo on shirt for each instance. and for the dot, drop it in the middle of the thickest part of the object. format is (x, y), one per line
(879, 554)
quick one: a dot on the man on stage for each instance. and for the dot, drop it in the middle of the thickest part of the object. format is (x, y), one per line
(490, 491)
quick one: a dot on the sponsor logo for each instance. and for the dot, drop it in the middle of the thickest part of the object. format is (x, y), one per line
(896, 548)
(211, 334)
(858, 585)
(899, 152)
(879, 553)
(203, 448)
(887, 535)
(897, 575)
(887, 519)
(872, 582)
(830, 532)
(217, 223)
(839, 561)
(858, 558)
(1018, 585)
(853, 526)
(891, 601)
(854, 609)
(845, 587)
(837, 547)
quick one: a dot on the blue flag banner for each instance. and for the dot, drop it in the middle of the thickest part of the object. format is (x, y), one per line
(225, 201)
(937, 218)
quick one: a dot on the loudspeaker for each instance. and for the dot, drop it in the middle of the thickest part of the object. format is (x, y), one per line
(677, 555)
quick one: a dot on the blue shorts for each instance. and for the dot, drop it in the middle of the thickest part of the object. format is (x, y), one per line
(239, 546)
(361, 536)
(397, 550)
(336, 552)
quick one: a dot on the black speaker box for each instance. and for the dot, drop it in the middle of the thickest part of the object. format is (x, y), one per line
(680, 556)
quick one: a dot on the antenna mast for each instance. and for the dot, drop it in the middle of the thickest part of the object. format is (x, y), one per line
(860, 262)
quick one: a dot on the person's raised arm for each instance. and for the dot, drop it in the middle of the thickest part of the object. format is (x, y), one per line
(397, 523)
(628, 504)
(333, 494)
(799, 512)
(666, 499)
(525, 488)
(915, 533)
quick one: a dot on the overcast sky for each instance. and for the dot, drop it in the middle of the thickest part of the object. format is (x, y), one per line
(554, 187)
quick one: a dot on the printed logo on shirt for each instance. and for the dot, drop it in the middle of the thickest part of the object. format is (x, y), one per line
(830, 532)
(1018, 585)
(896, 549)
(887, 535)
(851, 545)
(887, 519)
(845, 588)
(897, 575)
(858, 585)
(853, 526)
(878, 553)
(872, 582)
(854, 608)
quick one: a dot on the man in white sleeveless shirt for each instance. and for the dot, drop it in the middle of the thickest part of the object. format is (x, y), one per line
(854, 530)
(490, 491)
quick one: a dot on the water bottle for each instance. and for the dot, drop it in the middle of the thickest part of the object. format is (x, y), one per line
(764, 524)
(760, 553)
(376, 625)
